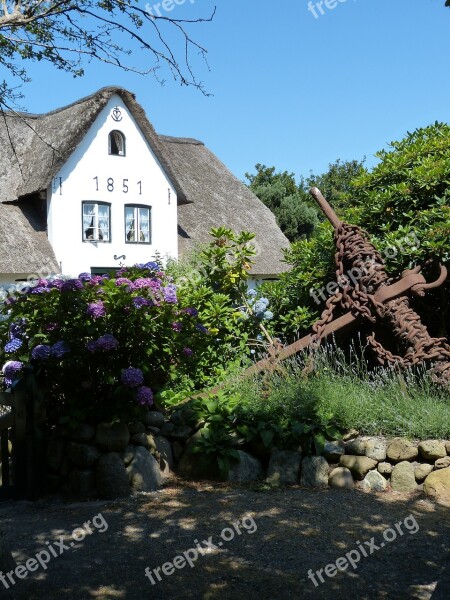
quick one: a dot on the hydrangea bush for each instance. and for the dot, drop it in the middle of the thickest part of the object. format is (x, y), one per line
(101, 347)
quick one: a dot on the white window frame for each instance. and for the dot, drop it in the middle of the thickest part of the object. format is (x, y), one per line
(95, 222)
(137, 220)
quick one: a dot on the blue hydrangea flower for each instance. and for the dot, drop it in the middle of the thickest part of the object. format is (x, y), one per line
(152, 266)
(144, 396)
(41, 352)
(92, 346)
(201, 328)
(59, 349)
(187, 351)
(268, 315)
(139, 302)
(13, 345)
(252, 293)
(192, 312)
(107, 342)
(260, 307)
(132, 377)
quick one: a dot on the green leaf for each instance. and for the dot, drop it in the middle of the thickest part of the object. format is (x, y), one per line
(267, 437)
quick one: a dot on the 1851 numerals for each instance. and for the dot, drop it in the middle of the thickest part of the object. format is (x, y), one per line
(111, 185)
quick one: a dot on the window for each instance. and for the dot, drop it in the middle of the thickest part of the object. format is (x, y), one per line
(96, 222)
(116, 143)
(137, 224)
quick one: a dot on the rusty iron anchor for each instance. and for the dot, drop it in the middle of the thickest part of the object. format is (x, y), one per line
(375, 298)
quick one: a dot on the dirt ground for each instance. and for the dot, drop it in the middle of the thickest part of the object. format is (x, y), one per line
(280, 535)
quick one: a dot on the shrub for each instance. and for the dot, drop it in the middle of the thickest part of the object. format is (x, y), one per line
(101, 347)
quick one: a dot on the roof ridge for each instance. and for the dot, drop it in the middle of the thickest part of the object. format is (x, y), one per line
(180, 140)
(108, 90)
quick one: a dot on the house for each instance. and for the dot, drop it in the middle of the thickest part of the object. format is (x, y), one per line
(91, 185)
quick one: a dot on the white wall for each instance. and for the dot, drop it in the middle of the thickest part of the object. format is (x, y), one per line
(91, 159)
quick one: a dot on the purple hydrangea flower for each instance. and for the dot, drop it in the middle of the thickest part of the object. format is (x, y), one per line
(13, 345)
(40, 290)
(192, 312)
(41, 352)
(141, 283)
(107, 342)
(155, 284)
(124, 281)
(51, 326)
(132, 377)
(139, 302)
(85, 276)
(187, 351)
(59, 349)
(42, 282)
(170, 294)
(96, 280)
(11, 369)
(96, 310)
(177, 326)
(56, 283)
(92, 346)
(201, 328)
(144, 396)
(72, 285)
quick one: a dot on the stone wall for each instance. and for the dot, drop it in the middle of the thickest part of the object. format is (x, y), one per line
(113, 460)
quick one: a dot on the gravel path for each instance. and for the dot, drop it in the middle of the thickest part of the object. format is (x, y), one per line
(283, 534)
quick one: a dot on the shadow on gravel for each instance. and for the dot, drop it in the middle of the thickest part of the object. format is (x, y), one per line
(297, 530)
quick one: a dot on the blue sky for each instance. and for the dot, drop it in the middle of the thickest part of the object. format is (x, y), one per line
(289, 89)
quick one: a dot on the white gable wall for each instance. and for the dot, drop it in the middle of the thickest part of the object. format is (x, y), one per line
(91, 160)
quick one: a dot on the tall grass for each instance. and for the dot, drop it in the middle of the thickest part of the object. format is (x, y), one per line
(382, 401)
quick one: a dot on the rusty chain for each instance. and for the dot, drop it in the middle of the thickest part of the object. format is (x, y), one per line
(356, 256)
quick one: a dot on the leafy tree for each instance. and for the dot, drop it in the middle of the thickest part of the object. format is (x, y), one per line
(291, 203)
(335, 184)
(68, 34)
(279, 192)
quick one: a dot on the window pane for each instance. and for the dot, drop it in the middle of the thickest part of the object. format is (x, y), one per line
(130, 227)
(117, 143)
(103, 222)
(89, 222)
(144, 225)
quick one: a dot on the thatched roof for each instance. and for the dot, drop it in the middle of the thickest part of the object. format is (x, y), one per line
(43, 143)
(33, 148)
(24, 246)
(219, 199)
